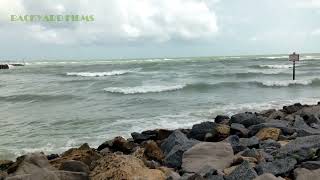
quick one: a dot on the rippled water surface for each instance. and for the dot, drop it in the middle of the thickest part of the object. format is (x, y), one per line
(51, 106)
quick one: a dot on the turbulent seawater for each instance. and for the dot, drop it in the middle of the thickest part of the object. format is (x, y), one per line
(51, 106)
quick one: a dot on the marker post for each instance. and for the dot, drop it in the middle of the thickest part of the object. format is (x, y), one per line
(294, 57)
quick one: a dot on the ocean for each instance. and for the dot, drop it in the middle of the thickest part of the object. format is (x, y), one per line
(54, 105)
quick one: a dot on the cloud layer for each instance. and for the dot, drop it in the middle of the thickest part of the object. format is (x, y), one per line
(117, 21)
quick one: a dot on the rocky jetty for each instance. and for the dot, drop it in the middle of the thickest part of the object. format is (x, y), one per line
(269, 145)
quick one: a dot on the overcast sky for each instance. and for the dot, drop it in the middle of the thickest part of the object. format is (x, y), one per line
(160, 28)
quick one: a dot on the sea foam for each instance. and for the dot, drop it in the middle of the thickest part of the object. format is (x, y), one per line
(100, 74)
(143, 89)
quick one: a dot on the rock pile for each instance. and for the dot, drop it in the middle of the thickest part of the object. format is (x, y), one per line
(269, 145)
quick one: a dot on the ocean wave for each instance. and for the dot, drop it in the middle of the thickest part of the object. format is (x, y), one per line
(143, 89)
(100, 74)
(286, 83)
(277, 66)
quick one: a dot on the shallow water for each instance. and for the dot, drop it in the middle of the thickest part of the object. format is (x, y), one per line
(51, 106)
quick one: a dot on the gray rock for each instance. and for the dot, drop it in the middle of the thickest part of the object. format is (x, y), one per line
(302, 128)
(311, 165)
(268, 176)
(174, 147)
(247, 119)
(36, 166)
(239, 129)
(234, 140)
(74, 166)
(249, 142)
(139, 137)
(221, 119)
(300, 145)
(292, 108)
(215, 155)
(199, 131)
(277, 167)
(305, 174)
(283, 125)
(243, 172)
(270, 146)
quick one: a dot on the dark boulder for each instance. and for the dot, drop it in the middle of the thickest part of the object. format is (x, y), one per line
(5, 164)
(252, 142)
(234, 140)
(277, 167)
(199, 131)
(139, 137)
(118, 144)
(302, 128)
(243, 172)
(52, 156)
(292, 108)
(174, 146)
(239, 130)
(222, 119)
(157, 134)
(247, 119)
(303, 147)
(270, 146)
(283, 125)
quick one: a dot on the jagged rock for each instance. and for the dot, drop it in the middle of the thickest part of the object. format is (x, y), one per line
(247, 119)
(174, 146)
(139, 137)
(234, 140)
(299, 147)
(52, 156)
(84, 154)
(36, 166)
(216, 155)
(269, 146)
(283, 125)
(268, 133)
(268, 176)
(243, 172)
(199, 131)
(277, 167)
(267, 113)
(118, 144)
(222, 119)
(218, 133)
(253, 153)
(123, 167)
(239, 159)
(292, 108)
(74, 166)
(152, 151)
(5, 164)
(239, 129)
(305, 174)
(157, 134)
(303, 129)
(249, 142)
(277, 115)
(311, 165)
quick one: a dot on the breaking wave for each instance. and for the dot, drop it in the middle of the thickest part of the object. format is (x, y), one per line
(100, 74)
(143, 89)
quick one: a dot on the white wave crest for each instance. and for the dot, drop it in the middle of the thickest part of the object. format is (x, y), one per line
(287, 83)
(267, 72)
(277, 66)
(143, 89)
(99, 74)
